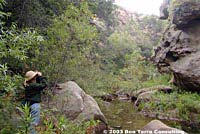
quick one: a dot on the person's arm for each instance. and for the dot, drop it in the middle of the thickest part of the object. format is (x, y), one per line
(42, 80)
(41, 83)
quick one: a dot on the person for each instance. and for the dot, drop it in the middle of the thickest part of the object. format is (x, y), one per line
(34, 84)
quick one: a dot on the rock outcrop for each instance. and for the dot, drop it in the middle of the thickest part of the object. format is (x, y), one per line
(164, 13)
(75, 104)
(179, 51)
(185, 12)
(146, 94)
(160, 88)
(145, 97)
(158, 127)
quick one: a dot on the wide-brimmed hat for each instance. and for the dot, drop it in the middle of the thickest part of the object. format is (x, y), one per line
(29, 76)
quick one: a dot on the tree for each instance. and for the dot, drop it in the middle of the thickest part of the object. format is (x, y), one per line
(69, 41)
(34, 13)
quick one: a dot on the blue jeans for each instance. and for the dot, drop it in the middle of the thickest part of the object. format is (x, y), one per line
(35, 114)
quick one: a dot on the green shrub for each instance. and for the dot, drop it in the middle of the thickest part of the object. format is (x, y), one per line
(184, 104)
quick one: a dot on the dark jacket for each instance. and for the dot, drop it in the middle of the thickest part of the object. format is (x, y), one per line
(33, 90)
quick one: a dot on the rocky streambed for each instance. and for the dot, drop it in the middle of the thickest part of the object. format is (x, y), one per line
(122, 114)
(179, 54)
(114, 111)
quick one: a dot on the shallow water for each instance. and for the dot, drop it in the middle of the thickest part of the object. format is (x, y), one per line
(122, 115)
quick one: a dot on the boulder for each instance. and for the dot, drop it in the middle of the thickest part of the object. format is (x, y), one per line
(184, 12)
(109, 97)
(75, 104)
(158, 127)
(115, 96)
(144, 97)
(145, 94)
(179, 51)
(161, 88)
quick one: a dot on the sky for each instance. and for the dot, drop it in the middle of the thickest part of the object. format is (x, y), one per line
(149, 7)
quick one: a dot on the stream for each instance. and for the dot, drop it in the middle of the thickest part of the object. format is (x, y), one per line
(122, 115)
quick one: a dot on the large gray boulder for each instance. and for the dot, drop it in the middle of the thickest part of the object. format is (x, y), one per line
(75, 104)
(157, 127)
(185, 11)
(179, 51)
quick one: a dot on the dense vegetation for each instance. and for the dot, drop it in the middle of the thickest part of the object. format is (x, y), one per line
(58, 38)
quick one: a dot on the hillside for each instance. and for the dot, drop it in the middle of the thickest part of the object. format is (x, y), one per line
(92, 66)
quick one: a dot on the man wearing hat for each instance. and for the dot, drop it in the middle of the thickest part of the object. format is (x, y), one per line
(34, 84)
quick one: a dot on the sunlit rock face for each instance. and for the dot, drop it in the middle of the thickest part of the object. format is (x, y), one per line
(179, 51)
(124, 16)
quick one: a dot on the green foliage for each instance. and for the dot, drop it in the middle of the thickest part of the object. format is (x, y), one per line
(2, 3)
(183, 105)
(120, 45)
(70, 49)
(8, 83)
(2, 14)
(6, 111)
(125, 55)
(14, 50)
(25, 119)
(34, 13)
(153, 28)
(139, 73)
(40, 13)
(15, 46)
(59, 124)
(51, 123)
(104, 10)
(69, 41)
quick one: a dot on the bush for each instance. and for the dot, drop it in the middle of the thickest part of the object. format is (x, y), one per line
(184, 105)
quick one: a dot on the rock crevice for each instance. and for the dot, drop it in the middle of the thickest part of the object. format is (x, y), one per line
(179, 51)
